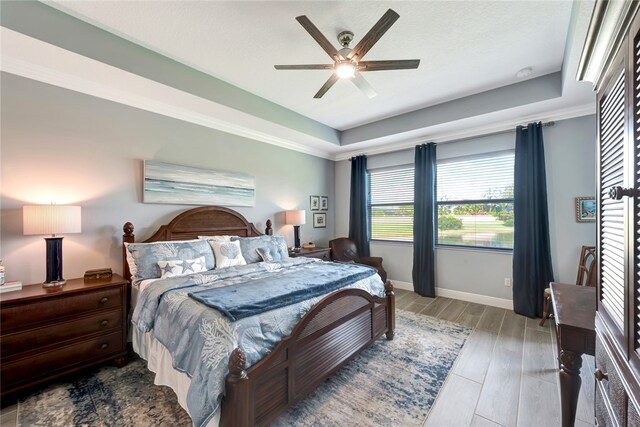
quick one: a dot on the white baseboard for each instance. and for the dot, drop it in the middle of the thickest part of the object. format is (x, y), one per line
(463, 296)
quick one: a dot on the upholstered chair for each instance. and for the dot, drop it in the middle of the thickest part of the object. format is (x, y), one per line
(344, 249)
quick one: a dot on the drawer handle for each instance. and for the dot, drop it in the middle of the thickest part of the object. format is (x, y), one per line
(104, 300)
(104, 323)
(104, 346)
(601, 375)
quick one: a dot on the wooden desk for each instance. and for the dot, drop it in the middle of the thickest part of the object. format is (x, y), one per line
(575, 311)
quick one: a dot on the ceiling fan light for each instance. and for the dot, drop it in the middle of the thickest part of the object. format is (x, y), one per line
(345, 70)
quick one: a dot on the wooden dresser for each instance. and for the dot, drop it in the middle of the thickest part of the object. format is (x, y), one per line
(48, 333)
(321, 253)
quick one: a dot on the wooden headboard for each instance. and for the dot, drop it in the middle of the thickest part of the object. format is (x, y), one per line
(204, 221)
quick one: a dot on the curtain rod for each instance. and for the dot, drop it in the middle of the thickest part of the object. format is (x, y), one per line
(544, 124)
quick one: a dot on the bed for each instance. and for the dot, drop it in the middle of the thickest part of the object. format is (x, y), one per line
(331, 333)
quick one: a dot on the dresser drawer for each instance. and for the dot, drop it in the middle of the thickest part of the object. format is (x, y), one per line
(27, 314)
(58, 360)
(633, 416)
(602, 411)
(33, 339)
(611, 389)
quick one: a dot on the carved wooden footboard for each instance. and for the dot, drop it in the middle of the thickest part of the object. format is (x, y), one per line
(332, 333)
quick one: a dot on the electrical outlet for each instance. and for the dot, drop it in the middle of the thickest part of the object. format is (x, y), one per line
(507, 282)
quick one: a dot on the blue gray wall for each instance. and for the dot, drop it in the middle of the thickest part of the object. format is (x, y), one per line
(66, 147)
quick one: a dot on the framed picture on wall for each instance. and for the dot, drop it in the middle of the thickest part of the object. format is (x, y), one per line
(585, 209)
(314, 201)
(319, 220)
(324, 203)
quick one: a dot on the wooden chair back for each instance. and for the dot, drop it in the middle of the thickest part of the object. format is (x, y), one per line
(587, 267)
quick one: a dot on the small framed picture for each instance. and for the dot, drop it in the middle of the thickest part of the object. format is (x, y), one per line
(585, 209)
(324, 203)
(319, 220)
(314, 202)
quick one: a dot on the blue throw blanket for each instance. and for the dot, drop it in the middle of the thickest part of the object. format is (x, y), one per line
(268, 293)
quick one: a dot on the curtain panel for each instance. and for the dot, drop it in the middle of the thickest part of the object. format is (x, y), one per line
(532, 269)
(424, 268)
(359, 206)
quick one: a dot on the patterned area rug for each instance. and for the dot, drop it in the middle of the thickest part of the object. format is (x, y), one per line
(392, 383)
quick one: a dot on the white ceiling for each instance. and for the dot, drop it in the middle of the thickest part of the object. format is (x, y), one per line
(465, 47)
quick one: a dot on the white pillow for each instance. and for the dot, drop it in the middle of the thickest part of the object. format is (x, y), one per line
(182, 267)
(227, 253)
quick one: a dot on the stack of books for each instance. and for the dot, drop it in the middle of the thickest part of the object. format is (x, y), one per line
(11, 286)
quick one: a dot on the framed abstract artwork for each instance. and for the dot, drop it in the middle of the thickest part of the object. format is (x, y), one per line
(585, 209)
(186, 185)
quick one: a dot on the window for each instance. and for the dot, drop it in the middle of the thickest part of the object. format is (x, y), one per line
(475, 201)
(391, 204)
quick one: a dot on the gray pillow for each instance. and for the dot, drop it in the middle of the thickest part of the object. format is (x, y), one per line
(271, 253)
(143, 258)
(249, 246)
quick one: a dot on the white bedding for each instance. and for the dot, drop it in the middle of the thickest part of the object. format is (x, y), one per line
(159, 362)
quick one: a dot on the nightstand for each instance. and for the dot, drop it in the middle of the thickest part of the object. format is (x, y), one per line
(47, 333)
(322, 253)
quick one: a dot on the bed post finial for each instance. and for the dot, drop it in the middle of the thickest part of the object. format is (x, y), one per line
(128, 230)
(237, 365)
(268, 231)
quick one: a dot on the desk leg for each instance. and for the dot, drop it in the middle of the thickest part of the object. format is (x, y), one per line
(570, 381)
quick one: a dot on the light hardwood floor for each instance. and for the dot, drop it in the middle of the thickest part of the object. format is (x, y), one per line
(505, 375)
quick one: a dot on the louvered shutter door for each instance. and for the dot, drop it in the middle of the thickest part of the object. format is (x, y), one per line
(635, 301)
(612, 212)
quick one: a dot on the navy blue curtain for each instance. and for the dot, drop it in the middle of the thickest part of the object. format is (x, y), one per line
(424, 201)
(359, 210)
(532, 270)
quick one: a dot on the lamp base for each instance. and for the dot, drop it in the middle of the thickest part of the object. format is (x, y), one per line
(296, 237)
(54, 263)
(56, 284)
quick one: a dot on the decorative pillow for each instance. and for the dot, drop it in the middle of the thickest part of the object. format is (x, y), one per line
(182, 267)
(249, 246)
(143, 258)
(227, 254)
(271, 253)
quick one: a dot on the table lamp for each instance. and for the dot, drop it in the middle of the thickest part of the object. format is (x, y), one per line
(295, 218)
(52, 219)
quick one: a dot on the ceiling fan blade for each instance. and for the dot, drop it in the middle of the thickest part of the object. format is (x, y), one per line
(305, 67)
(374, 35)
(364, 85)
(325, 87)
(402, 64)
(319, 37)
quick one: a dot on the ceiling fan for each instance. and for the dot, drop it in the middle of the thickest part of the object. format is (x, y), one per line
(348, 63)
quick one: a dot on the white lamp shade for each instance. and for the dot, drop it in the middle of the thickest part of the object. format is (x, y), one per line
(294, 217)
(51, 219)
